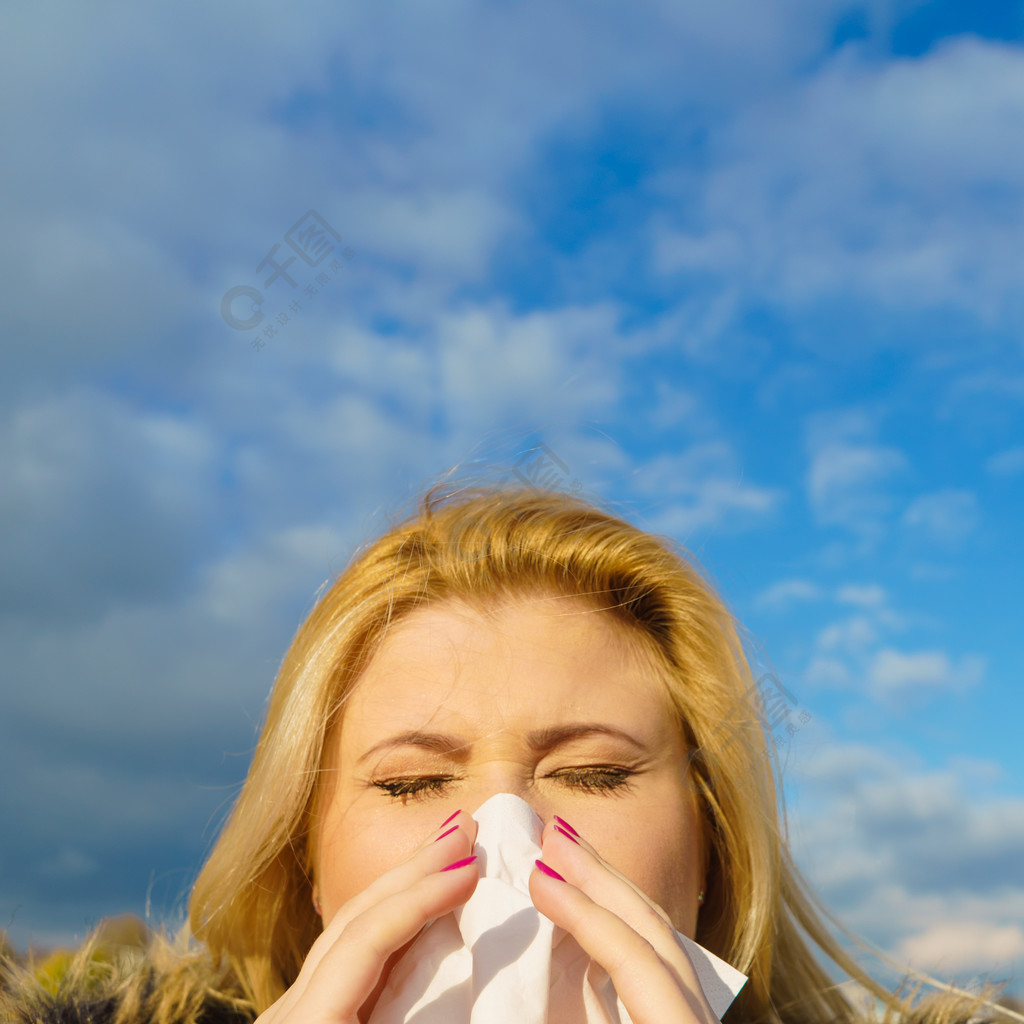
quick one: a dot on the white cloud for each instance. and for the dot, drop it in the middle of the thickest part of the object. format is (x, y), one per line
(991, 383)
(1007, 463)
(675, 405)
(828, 673)
(849, 654)
(894, 674)
(945, 517)
(907, 856)
(118, 500)
(787, 592)
(382, 135)
(845, 481)
(931, 573)
(451, 233)
(701, 487)
(718, 251)
(853, 635)
(965, 946)
(866, 595)
(878, 179)
(253, 584)
(498, 367)
(87, 287)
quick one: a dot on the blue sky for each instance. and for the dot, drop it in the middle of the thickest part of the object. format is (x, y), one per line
(748, 272)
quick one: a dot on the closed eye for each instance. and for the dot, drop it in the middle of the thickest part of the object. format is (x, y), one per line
(595, 779)
(586, 779)
(416, 786)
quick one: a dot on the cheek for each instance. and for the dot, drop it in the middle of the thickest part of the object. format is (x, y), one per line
(675, 868)
(345, 869)
(356, 847)
(663, 860)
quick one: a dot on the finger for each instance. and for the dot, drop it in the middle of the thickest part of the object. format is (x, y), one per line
(652, 990)
(580, 864)
(449, 843)
(560, 829)
(349, 970)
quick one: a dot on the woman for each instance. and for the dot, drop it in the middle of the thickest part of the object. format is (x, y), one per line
(523, 642)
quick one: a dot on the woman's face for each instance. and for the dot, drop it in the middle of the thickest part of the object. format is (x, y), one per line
(543, 698)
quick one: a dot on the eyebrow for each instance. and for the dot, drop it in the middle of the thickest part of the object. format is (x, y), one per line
(541, 740)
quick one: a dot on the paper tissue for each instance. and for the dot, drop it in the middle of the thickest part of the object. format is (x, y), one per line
(498, 960)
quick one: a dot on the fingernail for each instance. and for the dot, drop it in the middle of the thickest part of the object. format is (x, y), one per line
(550, 872)
(454, 828)
(568, 835)
(451, 817)
(566, 825)
(460, 863)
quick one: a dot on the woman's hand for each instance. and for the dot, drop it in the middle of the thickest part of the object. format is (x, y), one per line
(621, 929)
(345, 966)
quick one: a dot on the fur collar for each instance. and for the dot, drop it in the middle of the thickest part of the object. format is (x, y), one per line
(100, 985)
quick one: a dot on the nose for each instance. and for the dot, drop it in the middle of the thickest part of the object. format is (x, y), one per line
(514, 781)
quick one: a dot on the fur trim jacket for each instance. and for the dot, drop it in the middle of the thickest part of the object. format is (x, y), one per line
(159, 985)
(99, 989)
(71, 1008)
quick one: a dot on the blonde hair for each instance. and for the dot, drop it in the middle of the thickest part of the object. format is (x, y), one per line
(252, 904)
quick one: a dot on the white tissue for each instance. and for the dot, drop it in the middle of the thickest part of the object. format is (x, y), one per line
(498, 960)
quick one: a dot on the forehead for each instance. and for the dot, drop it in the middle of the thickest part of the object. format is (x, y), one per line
(507, 667)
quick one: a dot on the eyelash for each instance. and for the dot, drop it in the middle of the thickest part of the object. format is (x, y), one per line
(415, 787)
(585, 780)
(596, 780)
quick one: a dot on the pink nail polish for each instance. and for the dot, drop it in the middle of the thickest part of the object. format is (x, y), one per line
(568, 835)
(566, 825)
(460, 863)
(451, 817)
(550, 872)
(454, 828)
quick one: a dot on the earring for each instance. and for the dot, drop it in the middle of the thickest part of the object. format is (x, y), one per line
(700, 897)
(316, 904)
